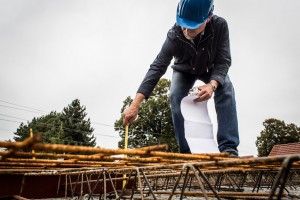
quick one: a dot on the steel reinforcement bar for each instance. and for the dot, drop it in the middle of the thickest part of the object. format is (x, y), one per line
(147, 173)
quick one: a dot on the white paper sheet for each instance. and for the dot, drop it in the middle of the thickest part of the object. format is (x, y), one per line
(198, 127)
(194, 111)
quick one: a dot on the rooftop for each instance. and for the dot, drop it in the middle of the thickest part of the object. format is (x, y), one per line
(285, 149)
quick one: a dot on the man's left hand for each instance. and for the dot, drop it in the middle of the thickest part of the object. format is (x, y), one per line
(206, 92)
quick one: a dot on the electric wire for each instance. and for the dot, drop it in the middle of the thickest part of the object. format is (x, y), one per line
(23, 106)
(68, 129)
(10, 120)
(22, 109)
(58, 127)
(39, 111)
(98, 123)
(13, 117)
(3, 129)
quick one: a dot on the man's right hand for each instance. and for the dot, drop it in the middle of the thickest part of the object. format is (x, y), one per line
(130, 114)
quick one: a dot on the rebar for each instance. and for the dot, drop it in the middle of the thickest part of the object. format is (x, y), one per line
(150, 172)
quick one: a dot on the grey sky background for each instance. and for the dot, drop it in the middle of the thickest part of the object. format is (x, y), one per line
(52, 52)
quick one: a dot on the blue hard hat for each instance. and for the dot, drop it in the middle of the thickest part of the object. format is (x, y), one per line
(193, 13)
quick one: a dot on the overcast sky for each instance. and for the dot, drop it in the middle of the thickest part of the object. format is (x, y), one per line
(54, 51)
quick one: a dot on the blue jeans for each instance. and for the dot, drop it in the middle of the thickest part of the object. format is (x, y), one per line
(227, 135)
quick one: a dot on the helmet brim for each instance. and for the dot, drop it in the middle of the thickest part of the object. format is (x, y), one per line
(188, 23)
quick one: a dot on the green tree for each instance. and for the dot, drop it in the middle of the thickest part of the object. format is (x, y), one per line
(77, 129)
(154, 124)
(48, 125)
(276, 132)
(68, 127)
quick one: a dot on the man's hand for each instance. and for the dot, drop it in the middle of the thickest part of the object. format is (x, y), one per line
(130, 114)
(206, 92)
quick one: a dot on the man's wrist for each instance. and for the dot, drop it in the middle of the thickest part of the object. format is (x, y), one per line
(138, 100)
(213, 85)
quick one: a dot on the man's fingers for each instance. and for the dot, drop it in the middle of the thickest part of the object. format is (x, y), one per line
(198, 99)
(125, 122)
(125, 119)
(129, 115)
(128, 119)
(203, 97)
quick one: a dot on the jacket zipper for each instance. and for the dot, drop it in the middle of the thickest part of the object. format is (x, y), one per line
(187, 43)
(207, 70)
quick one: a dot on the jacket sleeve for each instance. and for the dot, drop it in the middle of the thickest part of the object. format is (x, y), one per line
(222, 60)
(159, 67)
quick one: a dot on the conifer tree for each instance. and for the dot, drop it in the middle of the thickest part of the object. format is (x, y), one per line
(48, 125)
(77, 129)
(68, 127)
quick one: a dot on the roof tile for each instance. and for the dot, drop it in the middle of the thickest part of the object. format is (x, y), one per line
(285, 149)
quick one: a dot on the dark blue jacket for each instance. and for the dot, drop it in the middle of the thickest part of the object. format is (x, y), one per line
(210, 57)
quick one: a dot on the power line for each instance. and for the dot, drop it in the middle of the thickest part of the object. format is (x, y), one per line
(102, 124)
(10, 121)
(21, 109)
(3, 129)
(66, 129)
(40, 122)
(34, 110)
(23, 106)
(38, 111)
(106, 135)
(13, 117)
(51, 125)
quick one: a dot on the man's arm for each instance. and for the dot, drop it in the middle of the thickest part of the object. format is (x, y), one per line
(222, 60)
(221, 64)
(159, 66)
(157, 69)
